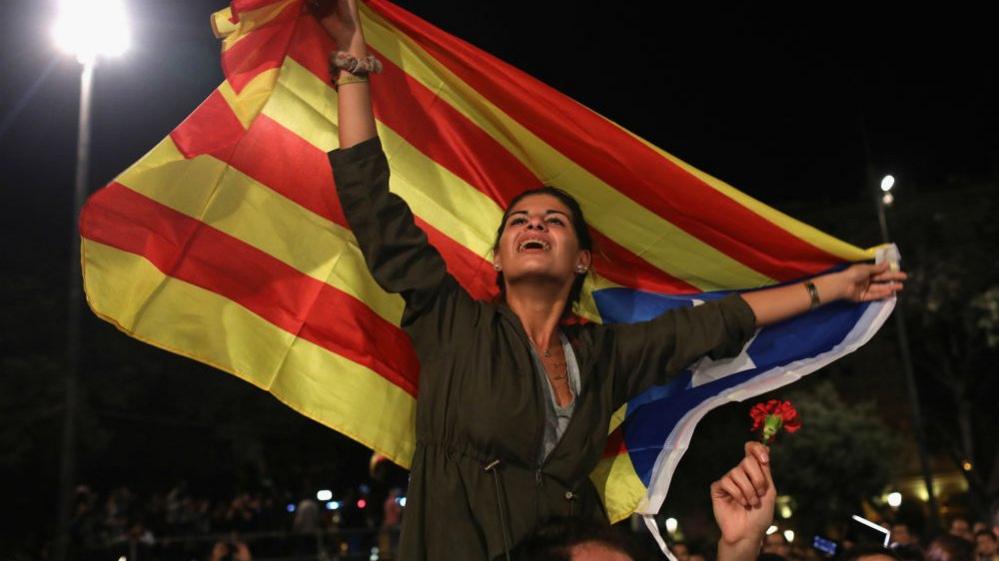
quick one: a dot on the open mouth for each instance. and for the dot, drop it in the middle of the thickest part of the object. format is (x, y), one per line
(533, 245)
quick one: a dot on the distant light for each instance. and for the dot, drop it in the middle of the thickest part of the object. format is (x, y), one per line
(785, 511)
(364, 488)
(772, 530)
(91, 29)
(333, 505)
(887, 182)
(374, 554)
(671, 525)
(923, 494)
(361, 503)
(291, 507)
(122, 558)
(324, 495)
(967, 465)
(401, 501)
(894, 499)
(887, 199)
(789, 535)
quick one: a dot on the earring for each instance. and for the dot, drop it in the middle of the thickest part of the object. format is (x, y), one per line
(581, 269)
(497, 267)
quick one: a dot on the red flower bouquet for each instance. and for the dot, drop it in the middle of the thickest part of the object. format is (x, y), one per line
(772, 416)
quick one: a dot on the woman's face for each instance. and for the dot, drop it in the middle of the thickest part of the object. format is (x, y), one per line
(539, 243)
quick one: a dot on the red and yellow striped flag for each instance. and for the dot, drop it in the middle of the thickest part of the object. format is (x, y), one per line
(226, 242)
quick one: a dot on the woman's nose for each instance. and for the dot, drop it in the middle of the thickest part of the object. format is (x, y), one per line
(536, 224)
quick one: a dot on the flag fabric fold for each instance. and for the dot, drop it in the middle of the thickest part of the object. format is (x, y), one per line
(226, 242)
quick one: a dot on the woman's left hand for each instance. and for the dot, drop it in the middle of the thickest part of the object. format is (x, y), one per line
(864, 283)
(743, 503)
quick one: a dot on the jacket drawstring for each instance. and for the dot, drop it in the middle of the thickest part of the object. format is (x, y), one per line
(491, 467)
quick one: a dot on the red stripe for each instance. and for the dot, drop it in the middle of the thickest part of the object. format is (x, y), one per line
(458, 144)
(194, 252)
(632, 167)
(240, 6)
(615, 444)
(260, 50)
(211, 129)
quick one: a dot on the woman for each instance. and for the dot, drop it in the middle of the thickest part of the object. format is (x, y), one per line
(513, 405)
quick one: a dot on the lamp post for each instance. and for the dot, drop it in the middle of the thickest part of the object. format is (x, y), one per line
(884, 198)
(88, 31)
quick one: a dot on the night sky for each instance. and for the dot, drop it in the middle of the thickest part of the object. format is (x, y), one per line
(773, 101)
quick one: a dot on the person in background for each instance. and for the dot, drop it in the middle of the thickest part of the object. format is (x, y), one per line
(949, 547)
(985, 546)
(776, 544)
(960, 527)
(900, 534)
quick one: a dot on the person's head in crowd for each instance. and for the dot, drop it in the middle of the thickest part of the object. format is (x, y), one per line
(776, 544)
(949, 547)
(908, 552)
(960, 527)
(869, 552)
(986, 546)
(681, 551)
(978, 526)
(900, 534)
(573, 539)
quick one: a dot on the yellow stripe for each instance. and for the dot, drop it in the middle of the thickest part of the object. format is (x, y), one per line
(222, 25)
(248, 103)
(209, 190)
(644, 233)
(128, 291)
(248, 22)
(619, 486)
(307, 106)
(813, 236)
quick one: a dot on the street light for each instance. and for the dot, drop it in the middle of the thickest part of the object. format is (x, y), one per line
(884, 198)
(88, 31)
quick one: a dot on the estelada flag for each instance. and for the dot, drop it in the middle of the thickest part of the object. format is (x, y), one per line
(226, 242)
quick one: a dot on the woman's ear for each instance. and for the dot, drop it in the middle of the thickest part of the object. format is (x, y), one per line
(584, 261)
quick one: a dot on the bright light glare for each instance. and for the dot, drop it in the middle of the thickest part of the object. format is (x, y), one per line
(785, 511)
(789, 535)
(333, 505)
(894, 499)
(92, 28)
(772, 529)
(324, 495)
(887, 182)
(887, 199)
(671, 525)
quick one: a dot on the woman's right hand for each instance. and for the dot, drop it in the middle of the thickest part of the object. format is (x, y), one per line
(340, 20)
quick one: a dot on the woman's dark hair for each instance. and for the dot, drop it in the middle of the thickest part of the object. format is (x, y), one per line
(579, 226)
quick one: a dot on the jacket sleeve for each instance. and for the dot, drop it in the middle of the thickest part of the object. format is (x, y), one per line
(651, 352)
(396, 251)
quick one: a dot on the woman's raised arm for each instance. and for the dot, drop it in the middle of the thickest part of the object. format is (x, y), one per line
(340, 19)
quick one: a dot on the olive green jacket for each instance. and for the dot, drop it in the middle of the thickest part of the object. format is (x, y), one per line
(476, 486)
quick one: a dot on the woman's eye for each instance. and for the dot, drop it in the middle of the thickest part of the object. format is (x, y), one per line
(556, 221)
(517, 221)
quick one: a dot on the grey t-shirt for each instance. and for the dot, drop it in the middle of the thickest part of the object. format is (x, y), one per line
(557, 417)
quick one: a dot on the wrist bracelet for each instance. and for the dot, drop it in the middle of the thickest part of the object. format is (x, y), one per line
(348, 78)
(813, 293)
